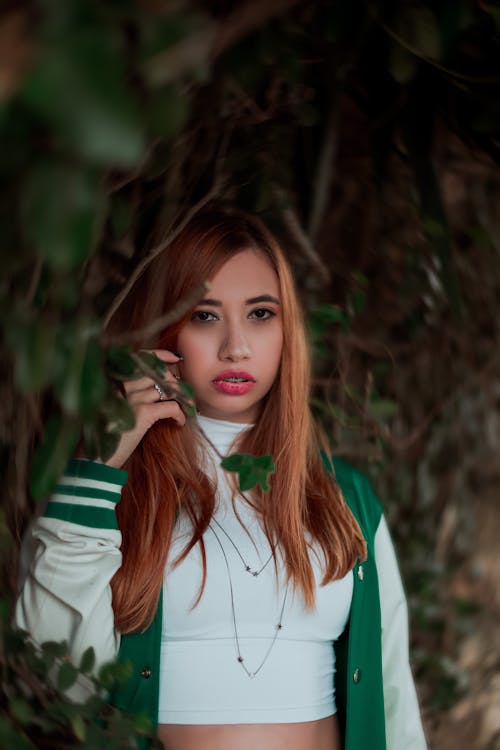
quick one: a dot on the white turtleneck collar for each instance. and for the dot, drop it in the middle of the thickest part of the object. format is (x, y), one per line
(220, 431)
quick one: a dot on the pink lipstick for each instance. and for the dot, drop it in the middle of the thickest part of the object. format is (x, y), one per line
(234, 382)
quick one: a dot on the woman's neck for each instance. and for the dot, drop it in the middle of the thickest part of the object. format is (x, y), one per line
(220, 432)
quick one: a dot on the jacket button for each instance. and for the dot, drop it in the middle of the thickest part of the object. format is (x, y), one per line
(356, 676)
(146, 673)
(361, 573)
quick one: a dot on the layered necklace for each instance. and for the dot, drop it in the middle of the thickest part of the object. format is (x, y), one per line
(248, 569)
(255, 573)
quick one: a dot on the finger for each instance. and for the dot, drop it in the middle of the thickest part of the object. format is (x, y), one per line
(136, 386)
(139, 384)
(147, 395)
(152, 413)
(171, 359)
(166, 355)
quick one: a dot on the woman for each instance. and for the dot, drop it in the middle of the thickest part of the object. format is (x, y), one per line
(271, 619)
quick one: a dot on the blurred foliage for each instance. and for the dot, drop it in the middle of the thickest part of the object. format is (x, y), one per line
(373, 129)
(39, 711)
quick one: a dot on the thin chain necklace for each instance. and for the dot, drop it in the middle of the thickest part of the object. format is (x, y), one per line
(247, 567)
(279, 626)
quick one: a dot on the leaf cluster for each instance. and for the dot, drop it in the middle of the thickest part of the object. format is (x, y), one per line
(251, 470)
(39, 709)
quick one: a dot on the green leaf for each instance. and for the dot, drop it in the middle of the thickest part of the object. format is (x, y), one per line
(13, 738)
(68, 384)
(252, 470)
(107, 443)
(188, 403)
(329, 313)
(383, 409)
(79, 728)
(236, 461)
(67, 675)
(403, 64)
(154, 363)
(142, 723)
(119, 414)
(419, 28)
(187, 389)
(52, 454)
(120, 216)
(4, 610)
(78, 87)
(359, 301)
(93, 384)
(87, 661)
(114, 673)
(168, 111)
(63, 207)
(494, 13)
(322, 316)
(33, 346)
(55, 649)
(21, 710)
(37, 665)
(120, 364)
(80, 383)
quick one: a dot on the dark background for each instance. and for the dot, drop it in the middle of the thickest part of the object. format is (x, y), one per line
(367, 135)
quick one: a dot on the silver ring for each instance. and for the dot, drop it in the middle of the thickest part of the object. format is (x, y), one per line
(161, 392)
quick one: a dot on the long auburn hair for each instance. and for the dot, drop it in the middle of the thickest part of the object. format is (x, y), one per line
(165, 476)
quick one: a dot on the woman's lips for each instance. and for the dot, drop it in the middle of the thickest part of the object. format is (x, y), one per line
(224, 382)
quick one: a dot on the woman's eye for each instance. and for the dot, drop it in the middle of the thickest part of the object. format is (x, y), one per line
(203, 316)
(262, 313)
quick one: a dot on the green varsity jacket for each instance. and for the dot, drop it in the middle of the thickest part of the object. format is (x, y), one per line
(358, 678)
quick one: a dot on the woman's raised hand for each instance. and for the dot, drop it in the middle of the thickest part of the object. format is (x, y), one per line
(150, 403)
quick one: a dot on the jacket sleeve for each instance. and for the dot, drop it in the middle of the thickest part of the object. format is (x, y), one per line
(402, 715)
(68, 557)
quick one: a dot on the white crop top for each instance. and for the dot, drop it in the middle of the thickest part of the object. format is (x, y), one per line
(287, 673)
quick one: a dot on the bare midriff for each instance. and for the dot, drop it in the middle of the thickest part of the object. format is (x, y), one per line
(307, 735)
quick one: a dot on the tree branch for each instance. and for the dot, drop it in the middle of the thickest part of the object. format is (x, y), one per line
(159, 324)
(297, 232)
(204, 46)
(324, 175)
(156, 250)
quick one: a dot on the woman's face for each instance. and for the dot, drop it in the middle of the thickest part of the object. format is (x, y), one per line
(232, 344)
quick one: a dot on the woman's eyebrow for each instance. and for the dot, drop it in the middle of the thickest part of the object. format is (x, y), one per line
(251, 301)
(263, 298)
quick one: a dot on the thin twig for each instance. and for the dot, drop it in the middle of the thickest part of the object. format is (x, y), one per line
(296, 230)
(159, 324)
(247, 17)
(35, 280)
(131, 176)
(206, 44)
(141, 267)
(430, 61)
(178, 60)
(324, 175)
(259, 115)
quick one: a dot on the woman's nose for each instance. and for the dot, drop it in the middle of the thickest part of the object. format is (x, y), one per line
(235, 345)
